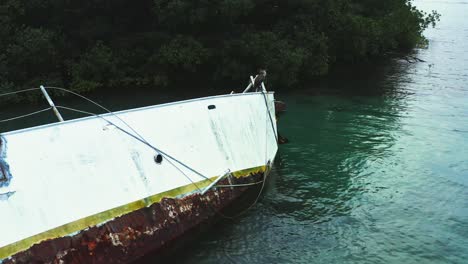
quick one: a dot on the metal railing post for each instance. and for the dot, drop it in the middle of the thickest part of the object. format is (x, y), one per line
(252, 81)
(251, 84)
(51, 103)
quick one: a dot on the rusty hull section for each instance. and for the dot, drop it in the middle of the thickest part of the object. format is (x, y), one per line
(133, 235)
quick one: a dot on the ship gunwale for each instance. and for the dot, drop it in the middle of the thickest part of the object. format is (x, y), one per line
(130, 111)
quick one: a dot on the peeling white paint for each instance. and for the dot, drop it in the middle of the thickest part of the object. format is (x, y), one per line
(172, 214)
(60, 255)
(150, 232)
(185, 208)
(115, 239)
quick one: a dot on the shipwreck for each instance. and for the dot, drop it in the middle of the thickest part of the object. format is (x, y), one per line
(113, 187)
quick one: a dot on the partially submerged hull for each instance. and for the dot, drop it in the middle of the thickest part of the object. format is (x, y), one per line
(85, 191)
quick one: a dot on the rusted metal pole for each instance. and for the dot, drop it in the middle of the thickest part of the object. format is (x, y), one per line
(51, 103)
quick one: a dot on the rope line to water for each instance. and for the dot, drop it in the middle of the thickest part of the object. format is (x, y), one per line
(266, 172)
(265, 175)
(238, 185)
(269, 115)
(25, 115)
(267, 163)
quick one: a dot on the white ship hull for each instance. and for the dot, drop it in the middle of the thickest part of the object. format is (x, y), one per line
(64, 178)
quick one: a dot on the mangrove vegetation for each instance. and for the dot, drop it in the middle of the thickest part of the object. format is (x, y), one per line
(106, 44)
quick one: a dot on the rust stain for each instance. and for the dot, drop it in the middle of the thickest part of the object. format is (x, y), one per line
(280, 108)
(131, 236)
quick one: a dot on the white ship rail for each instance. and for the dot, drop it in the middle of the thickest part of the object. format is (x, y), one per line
(60, 118)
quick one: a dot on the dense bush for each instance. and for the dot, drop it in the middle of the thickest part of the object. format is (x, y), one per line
(99, 44)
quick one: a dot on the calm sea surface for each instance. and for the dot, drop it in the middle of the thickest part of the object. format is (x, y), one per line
(376, 173)
(376, 170)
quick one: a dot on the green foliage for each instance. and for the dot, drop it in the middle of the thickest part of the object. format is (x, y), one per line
(32, 57)
(98, 44)
(182, 54)
(36, 52)
(203, 16)
(96, 68)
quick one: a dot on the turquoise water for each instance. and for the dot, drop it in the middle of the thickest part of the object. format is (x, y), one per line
(376, 172)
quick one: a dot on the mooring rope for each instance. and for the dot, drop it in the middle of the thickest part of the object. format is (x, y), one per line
(238, 185)
(98, 105)
(25, 115)
(265, 173)
(19, 91)
(269, 115)
(137, 138)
